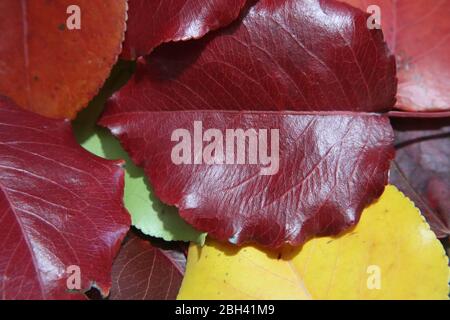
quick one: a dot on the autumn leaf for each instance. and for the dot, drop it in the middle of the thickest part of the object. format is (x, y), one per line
(422, 168)
(50, 69)
(390, 254)
(151, 23)
(310, 69)
(60, 206)
(214, 193)
(418, 32)
(143, 271)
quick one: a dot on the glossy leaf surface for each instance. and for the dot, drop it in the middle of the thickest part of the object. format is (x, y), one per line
(60, 206)
(151, 23)
(334, 156)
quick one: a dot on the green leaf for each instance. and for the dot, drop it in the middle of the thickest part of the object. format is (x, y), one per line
(148, 214)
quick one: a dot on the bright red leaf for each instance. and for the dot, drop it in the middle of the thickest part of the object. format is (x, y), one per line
(151, 23)
(143, 271)
(52, 70)
(312, 56)
(422, 168)
(418, 32)
(59, 206)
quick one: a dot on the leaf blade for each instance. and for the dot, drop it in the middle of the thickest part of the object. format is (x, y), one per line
(60, 205)
(151, 23)
(143, 271)
(233, 73)
(418, 33)
(59, 76)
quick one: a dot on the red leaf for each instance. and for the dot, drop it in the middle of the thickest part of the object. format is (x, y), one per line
(331, 167)
(418, 32)
(280, 57)
(59, 206)
(145, 272)
(151, 23)
(284, 55)
(422, 168)
(49, 69)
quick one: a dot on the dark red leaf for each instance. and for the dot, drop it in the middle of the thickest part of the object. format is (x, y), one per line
(312, 56)
(151, 23)
(282, 56)
(331, 167)
(418, 32)
(143, 271)
(59, 206)
(422, 168)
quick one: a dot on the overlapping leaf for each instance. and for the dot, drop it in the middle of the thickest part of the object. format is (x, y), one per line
(49, 69)
(418, 32)
(422, 168)
(146, 272)
(60, 206)
(151, 23)
(315, 59)
(328, 172)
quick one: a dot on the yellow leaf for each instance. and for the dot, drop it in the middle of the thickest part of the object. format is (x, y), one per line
(390, 254)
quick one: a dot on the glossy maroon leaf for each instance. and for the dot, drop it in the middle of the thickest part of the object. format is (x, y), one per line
(418, 32)
(422, 168)
(282, 56)
(331, 167)
(59, 206)
(151, 23)
(317, 57)
(143, 271)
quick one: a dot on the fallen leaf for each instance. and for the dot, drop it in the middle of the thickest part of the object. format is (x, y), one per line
(151, 23)
(50, 69)
(392, 248)
(328, 172)
(421, 168)
(143, 271)
(148, 213)
(60, 206)
(418, 32)
(311, 69)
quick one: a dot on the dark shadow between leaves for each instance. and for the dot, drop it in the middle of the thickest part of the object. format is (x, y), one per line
(405, 125)
(172, 53)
